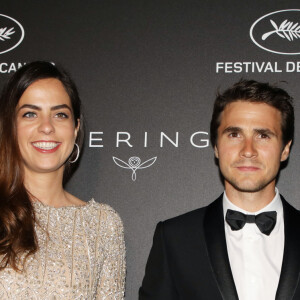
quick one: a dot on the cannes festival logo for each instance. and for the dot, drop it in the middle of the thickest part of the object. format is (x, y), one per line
(134, 164)
(278, 32)
(11, 33)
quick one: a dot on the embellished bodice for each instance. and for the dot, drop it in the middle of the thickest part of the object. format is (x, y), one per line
(81, 256)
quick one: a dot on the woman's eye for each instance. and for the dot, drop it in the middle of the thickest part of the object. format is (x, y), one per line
(61, 115)
(29, 114)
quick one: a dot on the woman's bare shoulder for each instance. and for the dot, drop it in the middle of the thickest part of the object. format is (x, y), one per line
(74, 201)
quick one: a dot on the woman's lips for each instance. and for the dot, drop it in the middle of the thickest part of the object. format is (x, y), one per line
(46, 146)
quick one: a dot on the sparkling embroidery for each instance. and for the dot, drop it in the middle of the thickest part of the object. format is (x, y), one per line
(81, 257)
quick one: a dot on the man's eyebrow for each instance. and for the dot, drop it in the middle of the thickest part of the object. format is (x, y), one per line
(56, 107)
(265, 131)
(231, 129)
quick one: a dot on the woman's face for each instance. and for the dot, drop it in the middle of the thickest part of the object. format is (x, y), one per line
(45, 126)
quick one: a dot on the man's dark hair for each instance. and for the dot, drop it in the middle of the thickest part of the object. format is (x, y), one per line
(253, 91)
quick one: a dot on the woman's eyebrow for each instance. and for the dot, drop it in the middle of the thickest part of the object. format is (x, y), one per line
(35, 107)
(61, 106)
(31, 106)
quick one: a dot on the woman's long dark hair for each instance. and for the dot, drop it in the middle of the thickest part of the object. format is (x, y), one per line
(17, 218)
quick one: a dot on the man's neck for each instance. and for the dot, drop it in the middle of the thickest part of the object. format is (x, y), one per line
(250, 201)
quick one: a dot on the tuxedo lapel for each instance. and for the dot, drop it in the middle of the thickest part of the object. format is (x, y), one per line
(217, 249)
(289, 277)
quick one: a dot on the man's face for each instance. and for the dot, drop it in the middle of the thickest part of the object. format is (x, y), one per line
(249, 146)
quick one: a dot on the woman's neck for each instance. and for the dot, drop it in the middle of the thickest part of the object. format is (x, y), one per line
(47, 188)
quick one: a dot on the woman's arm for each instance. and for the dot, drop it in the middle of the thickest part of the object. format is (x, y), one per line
(111, 284)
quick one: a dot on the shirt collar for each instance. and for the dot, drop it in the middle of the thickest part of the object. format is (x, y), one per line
(274, 205)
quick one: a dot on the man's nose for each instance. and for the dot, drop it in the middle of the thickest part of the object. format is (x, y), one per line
(249, 149)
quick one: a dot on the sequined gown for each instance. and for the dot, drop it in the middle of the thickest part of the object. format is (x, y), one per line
(81, 257)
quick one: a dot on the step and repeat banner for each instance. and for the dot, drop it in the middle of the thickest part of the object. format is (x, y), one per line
(148, 72)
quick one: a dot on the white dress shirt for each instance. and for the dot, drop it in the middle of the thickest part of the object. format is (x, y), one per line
(255, 258)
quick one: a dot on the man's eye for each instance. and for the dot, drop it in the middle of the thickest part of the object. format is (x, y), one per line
(263, 136)
(61, 115)
(29, 114)
(234, 134)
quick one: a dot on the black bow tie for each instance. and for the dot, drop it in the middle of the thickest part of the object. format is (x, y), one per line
(265, 221)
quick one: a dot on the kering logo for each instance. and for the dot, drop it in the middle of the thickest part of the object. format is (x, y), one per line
(11, 33)
(134, 164)
(278, 32)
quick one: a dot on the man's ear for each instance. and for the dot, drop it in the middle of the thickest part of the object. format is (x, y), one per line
(216, 151)
(286, 151)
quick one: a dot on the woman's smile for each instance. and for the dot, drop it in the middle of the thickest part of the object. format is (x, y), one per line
(46, 146)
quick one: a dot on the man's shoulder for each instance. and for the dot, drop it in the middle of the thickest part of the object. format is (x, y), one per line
(291, 215)
(191, 218)
(187, 217)
(287, 206)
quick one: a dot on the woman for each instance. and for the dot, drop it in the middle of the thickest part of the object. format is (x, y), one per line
(52, 244)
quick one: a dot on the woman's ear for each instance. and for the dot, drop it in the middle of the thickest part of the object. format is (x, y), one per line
(77, 128)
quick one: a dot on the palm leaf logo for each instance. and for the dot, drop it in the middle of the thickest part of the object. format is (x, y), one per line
(286, 30)
(5, 33)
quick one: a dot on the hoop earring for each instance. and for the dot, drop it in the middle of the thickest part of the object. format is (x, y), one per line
(78, 151)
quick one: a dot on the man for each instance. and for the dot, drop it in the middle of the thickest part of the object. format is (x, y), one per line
(246, 244)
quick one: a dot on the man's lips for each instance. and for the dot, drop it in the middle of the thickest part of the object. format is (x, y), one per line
(248, 168)
(46, 146)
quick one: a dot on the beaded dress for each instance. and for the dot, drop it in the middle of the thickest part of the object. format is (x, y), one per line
(81, 256)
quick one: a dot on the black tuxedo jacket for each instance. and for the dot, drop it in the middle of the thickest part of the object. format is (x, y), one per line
(189, 260)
